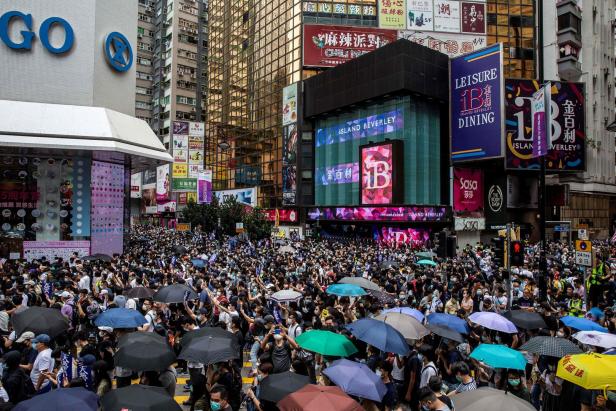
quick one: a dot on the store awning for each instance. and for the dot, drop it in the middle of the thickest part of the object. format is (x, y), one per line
(65, 127)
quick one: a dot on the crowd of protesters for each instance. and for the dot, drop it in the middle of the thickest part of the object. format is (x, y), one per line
(234, 284)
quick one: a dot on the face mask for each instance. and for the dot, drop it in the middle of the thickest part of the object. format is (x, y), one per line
(259, 377)
(423, 407)
(277, 337)
(215, 406)
(560, 334)
(458, 378)
(514, 383)
(420, 357)
(289, 321)
(379, 373)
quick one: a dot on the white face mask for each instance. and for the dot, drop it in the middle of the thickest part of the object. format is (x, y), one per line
(277, 337)
(379, 373)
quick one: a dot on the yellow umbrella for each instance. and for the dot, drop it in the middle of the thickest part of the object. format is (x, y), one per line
(590, 371)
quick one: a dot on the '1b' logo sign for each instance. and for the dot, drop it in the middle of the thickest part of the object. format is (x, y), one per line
(377, 174)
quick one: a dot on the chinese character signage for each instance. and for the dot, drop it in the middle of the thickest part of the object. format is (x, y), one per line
(328, 46)
(289, 104)
(420, 14)
(447, 16)
(180, 170)
(286, 215)
(467, 191)
(566, 145)
(392, 14)
(540, 102)
(370, 126)
(338, 174)
(476, 87)
(453, 45)
(204, 187)
(473, 18)
(184, 184)
(406, 214)
(379, 173)
(135, 185)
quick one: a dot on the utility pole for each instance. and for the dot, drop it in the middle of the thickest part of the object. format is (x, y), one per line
(543, 291)
(508, 265)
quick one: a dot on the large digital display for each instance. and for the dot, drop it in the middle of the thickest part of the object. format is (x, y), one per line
(397, 236)
(379, 173)
(338, 174)
(406, 214)
(369, 126)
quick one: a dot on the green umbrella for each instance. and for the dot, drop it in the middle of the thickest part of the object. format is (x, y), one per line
(426, 254)
(326, 343)
(426, 262)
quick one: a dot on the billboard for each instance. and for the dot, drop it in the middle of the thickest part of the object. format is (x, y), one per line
(337, 174)
(247, 196)
(286, 215)
(363, 127)
(401, 214)
(289, 104)
(453, 45)
(397, 236)
(420, 15)
(566, 145)
(163, 183)
(495, 200)
(204, 187)
(184, 184)
(392, 14)
(180, 170)
(447, 16)
(380, 177)
(148, 199)
(467, 191)
(289, 164)
(476, 95)
(328, 46)
(135, 185)
(180, 148)
(107, 214)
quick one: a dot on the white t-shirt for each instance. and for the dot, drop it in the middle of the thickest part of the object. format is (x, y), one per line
(426, 372)
(150, 316)
(43, 362)
(131, 304)
(84, 283)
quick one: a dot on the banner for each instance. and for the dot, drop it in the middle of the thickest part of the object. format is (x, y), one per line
(163, 183)
(184, 184)
(180, 170)
(566, 146)
(247, 196)
(34, 250)
(467, 190)
(392, 14)
(476, 87)
(289, 104)
(328, 46)
(370, 126)
(447, 16)
(539, 104)
(379, 174)
(405, 214)
(495, 200)
(204, 187)
(453, 45)
(135, 185)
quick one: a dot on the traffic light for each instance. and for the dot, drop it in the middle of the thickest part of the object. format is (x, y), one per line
(441, 244)
(452, 246)
(516, 253)
(498, 247)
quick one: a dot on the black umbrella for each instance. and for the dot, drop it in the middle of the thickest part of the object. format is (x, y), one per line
(209, 350)
(445, 332)
(40, 320)
(525, 319)
(277, 386)
(216, 332)
(139, 292)
(95, 257)
(139, 398)
(382, 297)
(550, 346)
(175, 293)
(144, 351)
(180, 249)
(387, 264)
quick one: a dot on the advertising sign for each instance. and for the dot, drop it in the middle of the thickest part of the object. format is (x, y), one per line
(196, 129)
(447, 15)
(495, 201)
(285, 215)
(204, 187)
(453, 45)
(180, 170)
(184, 184)
(379, 173)
(397, 236)
(107, 225)
(196, 157)
(148, 199)
(566, 146)
(370, 126)
(163, 183)
(195, 143)
(180, 149)
(34, 250)
(338, 174)
(392, 14)
(182, 227)
(420, 14)
(289, 184)
(194, 170)
(135, 185)
(166, 207)
(469, 224)
(473, 18)
(476, 87)
(328, 46)
(540, 102)
(406, 214)
(289, 104)
(467, 190)
(247, 196)
(180, 128)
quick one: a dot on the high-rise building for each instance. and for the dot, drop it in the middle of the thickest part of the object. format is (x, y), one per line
(146, 31)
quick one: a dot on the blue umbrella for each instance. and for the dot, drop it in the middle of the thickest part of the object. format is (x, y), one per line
(380, 335)
(197, 262)
(582, 324)
(451, 321)
(60, 400)
(120, 318)
(427, 262)
(356, 379)
(597, 312)
(499, 356)
(416, 314)
(345, 290)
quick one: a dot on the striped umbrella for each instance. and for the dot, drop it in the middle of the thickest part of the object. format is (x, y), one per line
(550, 346)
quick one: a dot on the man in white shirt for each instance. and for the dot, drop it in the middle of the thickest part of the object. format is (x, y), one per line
(84, 281)
(43, 364)
(294, 329)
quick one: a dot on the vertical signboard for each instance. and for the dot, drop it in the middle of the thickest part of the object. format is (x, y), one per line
(163, 183)
(290, 110)
(495, 193)
(380, 177)
(539, 105)
(467, 191)
(204, 187)
(107, 208)
(476, 87)
(420, 14)
(289, 104)
(392, 14)
(135, 185)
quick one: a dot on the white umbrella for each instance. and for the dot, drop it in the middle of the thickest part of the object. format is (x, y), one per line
(362, 282)
(286, 249)
(596, 338)
(493, 321)
(408, 326)
(284, 296)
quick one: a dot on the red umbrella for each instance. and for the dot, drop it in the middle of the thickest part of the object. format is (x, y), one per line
(318, 398)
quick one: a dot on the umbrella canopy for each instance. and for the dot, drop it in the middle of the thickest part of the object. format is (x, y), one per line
(387, 264)
(97, 257)
(139, 398)
(590, 371)
(286, 249)
(445, 332)
(525, 319)
(143, 351)
(180, 249)
(380, 335)
(416, 314)
(356, 379)
(493, 321)
(550, 346)
(209, 350)
(581, 324)
(197, 262)
(210, 332)
(60, 400)
(427, 262)
(326, 343)
(283, 296)
(382, 297)
(319, 398)
(139, 292)
(39, 320)
(360, 281)
(345, 290)
(596, 339)
(406, 325)
(499, 356)
(450, 321)
(277, 386)
(490, 399)
(120, 318)
(426, 254)
(175, 293)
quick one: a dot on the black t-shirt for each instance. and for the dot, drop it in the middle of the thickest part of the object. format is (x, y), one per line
(525, 302)
(281, 357)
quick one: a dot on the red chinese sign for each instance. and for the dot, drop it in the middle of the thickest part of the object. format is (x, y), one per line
(284, 215)
(328, 46)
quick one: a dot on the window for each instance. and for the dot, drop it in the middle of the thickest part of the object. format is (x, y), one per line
(144, 91)
(143, 17)
(144, 61)
(142, 105)
(144, 76)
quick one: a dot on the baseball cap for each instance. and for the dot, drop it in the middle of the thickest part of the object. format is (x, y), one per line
(28, 335)
(44, 338)
(65, 294)
(269, 319)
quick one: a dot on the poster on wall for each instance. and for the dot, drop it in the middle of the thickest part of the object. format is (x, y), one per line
(392, 14)
(180, 128)
(163, 183)
(179, 170)
(148, 199)
(204, 187)
(447, 16)
(380, 163)
(453, 45)
(473, 17)
(477, 120)
(420, 14)
(467, 191)
(246, 196)
(566, 145)
(289, 104)
(328, 46)
(107, 208)
(196, 129)
(35, 250)
(135, 185)
(180, 149)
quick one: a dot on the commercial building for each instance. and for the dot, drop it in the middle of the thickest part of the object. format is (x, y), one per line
(69, 138)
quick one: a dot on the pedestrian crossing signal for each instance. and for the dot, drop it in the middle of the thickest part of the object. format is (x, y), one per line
(516, 254)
